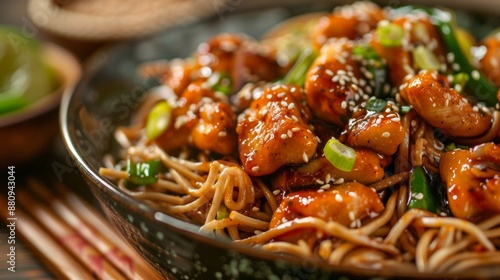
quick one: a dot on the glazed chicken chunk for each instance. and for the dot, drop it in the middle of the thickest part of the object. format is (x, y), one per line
(274, 132)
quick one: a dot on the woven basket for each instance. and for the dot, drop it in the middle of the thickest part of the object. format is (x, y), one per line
(104, 20)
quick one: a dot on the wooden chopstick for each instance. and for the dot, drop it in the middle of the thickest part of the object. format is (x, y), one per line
(70, 239)
(90, 215)
(58, 260)
(133, 267)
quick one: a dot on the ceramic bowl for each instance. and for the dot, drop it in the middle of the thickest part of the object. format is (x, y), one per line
(106, 97)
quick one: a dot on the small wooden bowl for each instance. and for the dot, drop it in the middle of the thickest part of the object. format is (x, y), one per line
(27, 133)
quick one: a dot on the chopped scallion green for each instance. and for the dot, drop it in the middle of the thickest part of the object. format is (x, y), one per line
(297, 75)
(223, 83)
(339, 155)
(424, 59)
(223, 212)
(390, 35)
(375, 105)
(143, 173)
(158, 119)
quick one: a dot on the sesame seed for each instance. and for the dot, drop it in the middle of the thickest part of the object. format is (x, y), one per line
(351, 215)
(343, 105)
(475, 75)
(328, 178)
(291, 106)
(321, 191)
(325, 187)
(284, 104)
(276, 87)
(289, 133)
(255, 209)
(386, 134)
(319, 181)
(443, 67)
(329, 72)
(352, 194)
(267, 137)
(455, 66)
(335, 78)
(339, 198)
(450, 57)
(339, 181)
(396, 119)
(458, 87)
(269, 96)
(305, 157)
(295, 119)
(276, 192)
(255, 169)
(263, 112)
(284, 136)
(419, 196)
(295, 129)
(281, 95)
(222, 134)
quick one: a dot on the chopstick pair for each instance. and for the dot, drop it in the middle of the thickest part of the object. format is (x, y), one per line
(73, 240)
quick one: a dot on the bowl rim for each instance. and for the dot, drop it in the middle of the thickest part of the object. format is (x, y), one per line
(68, 72)
(72, 98)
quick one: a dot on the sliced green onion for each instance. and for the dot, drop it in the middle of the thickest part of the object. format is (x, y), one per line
(390, 35)
(365, 52)
(158, 119)
(339, 155)
(404, 109)
(425, 59)
(297, 75)
(143, 173)
(460, 79)
(223, 212)
(222, 83)
(450, 147)
(375, 105)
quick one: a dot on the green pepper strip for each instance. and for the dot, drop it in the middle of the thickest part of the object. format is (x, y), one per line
(143, 173)
(481, 89)
(421, 194)
(297, 75)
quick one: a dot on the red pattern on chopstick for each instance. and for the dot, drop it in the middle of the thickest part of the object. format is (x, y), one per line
(78, 216)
